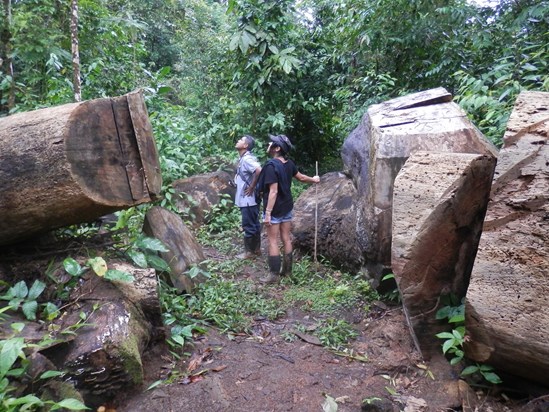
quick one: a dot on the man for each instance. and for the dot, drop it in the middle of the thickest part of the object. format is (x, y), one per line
(246, 177)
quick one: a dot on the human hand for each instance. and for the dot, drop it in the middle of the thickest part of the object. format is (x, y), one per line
(249, 191)
(267, 218)
(316, 179)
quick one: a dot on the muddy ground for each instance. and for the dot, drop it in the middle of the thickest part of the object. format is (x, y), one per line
(268, 371)
(265, 371)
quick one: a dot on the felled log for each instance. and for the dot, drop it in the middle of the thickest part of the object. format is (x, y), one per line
(105, 356)
(377, 149)
(184, 250)
(439, 203)
(74, 163)
(506, 311)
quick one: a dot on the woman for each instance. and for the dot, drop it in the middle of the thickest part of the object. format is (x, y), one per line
(278, 204)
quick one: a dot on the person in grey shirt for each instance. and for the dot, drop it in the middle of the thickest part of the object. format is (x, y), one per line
(246, 177)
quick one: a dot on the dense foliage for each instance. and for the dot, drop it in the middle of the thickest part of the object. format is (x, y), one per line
(213, 70)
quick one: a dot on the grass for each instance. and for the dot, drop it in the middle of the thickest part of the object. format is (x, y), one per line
(232, 304)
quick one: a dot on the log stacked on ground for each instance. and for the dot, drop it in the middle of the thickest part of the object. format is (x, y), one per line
(74, 163)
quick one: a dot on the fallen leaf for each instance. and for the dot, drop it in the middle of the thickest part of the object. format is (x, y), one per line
(197, 359)
(313, 340)
(330, 405)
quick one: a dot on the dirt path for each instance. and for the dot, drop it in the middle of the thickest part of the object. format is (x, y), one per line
(264, 371)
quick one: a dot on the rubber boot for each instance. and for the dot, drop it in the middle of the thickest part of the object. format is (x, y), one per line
(248, 249)
(287, 264)
(274, 270)
(256, 244)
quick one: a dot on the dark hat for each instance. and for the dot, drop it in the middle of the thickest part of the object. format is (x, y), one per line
(281, 141)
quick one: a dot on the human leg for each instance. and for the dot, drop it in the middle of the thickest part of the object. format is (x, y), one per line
(274, 255)
(287, 261)
(251, 227)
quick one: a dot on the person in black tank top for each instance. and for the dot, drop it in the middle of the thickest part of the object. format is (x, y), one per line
(278, 205)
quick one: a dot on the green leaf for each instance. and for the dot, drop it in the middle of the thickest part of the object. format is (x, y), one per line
(51, 311)
(154, 385)
(447, 345)
(29, 309)
(235, 40)
(14, 303)
(98, 265)
(72, 267)
(455, 360)
(28, 401)
(36, 289)
(51, 374)
(11, 350)
(158, 263)
(180, 340)
(492, 377)
(71, 404)
(151, 243)
(19, 290)
(445, 335)
(469, 370)
(17, 326)
(119, 275)
(138, 258)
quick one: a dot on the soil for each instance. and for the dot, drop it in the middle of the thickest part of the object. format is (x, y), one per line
(264, 371)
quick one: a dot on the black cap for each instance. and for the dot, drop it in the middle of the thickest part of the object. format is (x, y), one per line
(281, 141)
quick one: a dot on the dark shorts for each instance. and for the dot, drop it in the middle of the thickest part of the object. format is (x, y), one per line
(277, 220)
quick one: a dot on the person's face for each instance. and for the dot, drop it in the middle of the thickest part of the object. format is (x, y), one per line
(241, 144)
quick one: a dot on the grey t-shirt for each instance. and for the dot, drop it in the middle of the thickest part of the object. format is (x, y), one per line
(247, 165)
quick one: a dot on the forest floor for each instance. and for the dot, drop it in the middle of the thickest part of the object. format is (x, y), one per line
(279, 366)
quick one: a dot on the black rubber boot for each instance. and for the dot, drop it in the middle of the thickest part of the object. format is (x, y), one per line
(274, 270)
(287, 264)
(248, 249)
(256, 244)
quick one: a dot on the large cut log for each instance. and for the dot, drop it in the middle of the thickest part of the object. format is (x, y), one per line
(333, 201)
(378, 148)
(506, 310)
(74, 163)
(105, 356)
(439, 203)
(184, 251)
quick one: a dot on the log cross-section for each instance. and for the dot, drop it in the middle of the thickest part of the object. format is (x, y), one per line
(73, 163)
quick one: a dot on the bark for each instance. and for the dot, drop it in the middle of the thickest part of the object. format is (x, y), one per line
(506, 311)
(184, 251)
(75, 52)
(74, 163)
(439, 203)
(6, 64)
(105, 356)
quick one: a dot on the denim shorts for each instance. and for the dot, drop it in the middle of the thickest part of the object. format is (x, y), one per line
(276, 220)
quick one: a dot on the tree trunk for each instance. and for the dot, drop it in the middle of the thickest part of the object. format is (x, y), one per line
(74, 163)
(105, 356)
(6, 64)
(75, 52)
(184, 250)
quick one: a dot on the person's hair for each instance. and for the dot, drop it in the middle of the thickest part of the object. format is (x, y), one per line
(250, 141)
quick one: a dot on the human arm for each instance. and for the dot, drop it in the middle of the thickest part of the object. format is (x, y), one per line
(273, 192)
(251, 188)
(307, 179)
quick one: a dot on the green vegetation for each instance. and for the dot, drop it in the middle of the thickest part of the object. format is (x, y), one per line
(213, 70)
(454, 312)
